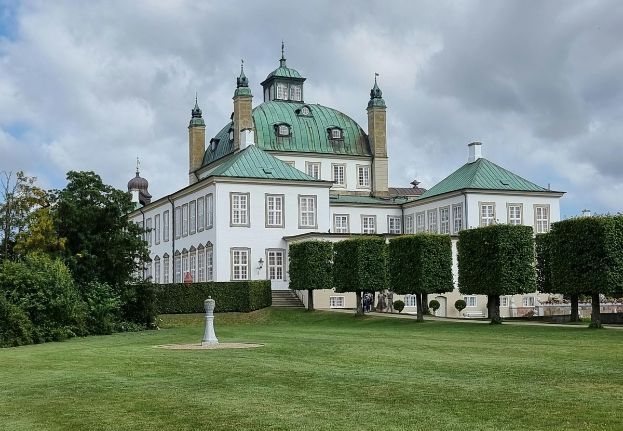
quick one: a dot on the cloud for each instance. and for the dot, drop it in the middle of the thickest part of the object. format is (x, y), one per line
(93, 85)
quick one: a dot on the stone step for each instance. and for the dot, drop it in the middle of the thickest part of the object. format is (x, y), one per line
(286, 298)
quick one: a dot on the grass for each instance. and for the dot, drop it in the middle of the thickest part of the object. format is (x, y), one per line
(320, 371)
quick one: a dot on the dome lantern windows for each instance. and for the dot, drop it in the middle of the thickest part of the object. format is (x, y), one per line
(282, 91)
(295, 93)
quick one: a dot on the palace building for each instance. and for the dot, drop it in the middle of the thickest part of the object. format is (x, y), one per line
(289, 170)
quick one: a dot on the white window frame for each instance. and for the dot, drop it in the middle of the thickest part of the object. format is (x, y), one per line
(313, 169)
(209, 211)
(192, 217)
(541, 218)
(209, 263)
(337, 301)
(432, 217)
(308, 211)
(178, 222)
(157, 270)
(394, 224)
(338, 170)
(275, 264)
(486, 213)
(410, 300)
(184, 264)
(165, 269)
(148, 231)
(444, 220)
(420, 222)
(341, 223)
(457, 218)
(274, 210)
(363, 176)
(336, 133)
(240, 259)
(471, 301)
(514, 213)
(368, 224)
(165, 226)
(305, 111)
(283, 130)
(239, 209)
(504, 301)
(201, 214)
(201, 264)
(528, 301)
(410, 224)
(281, 92)
(296, 92)
(177, 268)
(185, 220)
(157, 229)
(193, 265)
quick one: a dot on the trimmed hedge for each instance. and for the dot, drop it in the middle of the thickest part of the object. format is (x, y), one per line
(543, 263)
(241, 296)
(310, 267)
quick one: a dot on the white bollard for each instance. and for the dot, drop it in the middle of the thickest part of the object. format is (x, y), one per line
(209, 337)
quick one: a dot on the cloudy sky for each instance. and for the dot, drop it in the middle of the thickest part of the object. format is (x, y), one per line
(91, 85)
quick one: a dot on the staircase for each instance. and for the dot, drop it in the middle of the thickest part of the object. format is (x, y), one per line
(286, 298)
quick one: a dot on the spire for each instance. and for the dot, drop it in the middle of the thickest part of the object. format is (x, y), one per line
(242, 80)
(376, 95)
(196, 114)
(138, 162)
(282, 60)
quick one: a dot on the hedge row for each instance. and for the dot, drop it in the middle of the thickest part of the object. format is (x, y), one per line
(241, 296)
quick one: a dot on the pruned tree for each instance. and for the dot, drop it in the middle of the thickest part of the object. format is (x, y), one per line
(310, 267)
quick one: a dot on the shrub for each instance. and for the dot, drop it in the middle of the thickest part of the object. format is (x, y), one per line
(420, 264)
(15, 327)
(44, 289)
(103, 308)
(434, 305)
(496, 260)
(310, 267)
(399, 305)
(139, 305)
(360, 264)
(460, 305)
(242, 296)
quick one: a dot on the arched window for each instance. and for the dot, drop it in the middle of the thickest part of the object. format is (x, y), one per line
(165, 268)
(177, 267)
(283, 130)
(157, 270)
(305, 110)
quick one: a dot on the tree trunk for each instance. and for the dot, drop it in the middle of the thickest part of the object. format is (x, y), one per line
(595, 312)
(310, 299)
(493, 305)
(575, 315)
(418, 300)
(359, 311)
(424, 303)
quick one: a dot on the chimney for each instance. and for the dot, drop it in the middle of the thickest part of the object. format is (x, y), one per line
(247, 137)
(586, 213)
(475, 151)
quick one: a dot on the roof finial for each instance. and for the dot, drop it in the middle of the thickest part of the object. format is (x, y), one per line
(376, 95)
(282, 60)
(138, 162)
(242, 80)
(242, 66)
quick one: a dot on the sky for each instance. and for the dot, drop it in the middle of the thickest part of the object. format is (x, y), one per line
(92, 85)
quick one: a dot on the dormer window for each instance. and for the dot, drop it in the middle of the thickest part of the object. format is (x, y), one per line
(295, 93)
(305, 111)
(335, 133)
(283, 130)
(282, 91)
(231, 134)
(213, 144)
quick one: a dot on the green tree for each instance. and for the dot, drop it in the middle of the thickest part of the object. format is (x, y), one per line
(310, 267)
(420, 264)
(360, 265)
(587, 258)
(496, 260)
(101, 243)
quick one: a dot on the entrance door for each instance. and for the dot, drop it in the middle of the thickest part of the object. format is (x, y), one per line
(443, 303)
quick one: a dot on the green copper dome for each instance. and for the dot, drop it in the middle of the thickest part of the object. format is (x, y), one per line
(307, 133)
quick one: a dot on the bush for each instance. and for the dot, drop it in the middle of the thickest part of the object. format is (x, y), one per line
(44, 289)
(103, 308)
(15, 327)
(242, 296)
(310, 267)
(434, 305)
(460, 305)
(399, 305)
(139, 305)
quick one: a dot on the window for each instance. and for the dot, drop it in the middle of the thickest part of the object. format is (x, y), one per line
(305, 110)
(487, 213)
(307, 212)
(178, 222)
(541, 218)
(239, 209)
(444, 220)
(148, 275)
(363, 176)
(341, 223)
(295, 93)
(165, 226)
(192, 208)
(177, 270)
(420, 222)
(368, 224)
(240, 267)
(514, 214)
(503, 301)
(201, 210)
(282, 91)
(165, 269)
(157, 270)
(185, 220)
(283, 130)
(209, 264)
(471, 301)
(274, 210)
(184, 264)
(528, 301)
(313, 169)
(209, 211)
(339, 175)
(157, 228)
(410, 300)
(336, 302)
(409, 224)
(457, 218)
(335, 133)
(148, 231)
(432, 221)
(201, 264)
(231, 134)
(394, 224)
(274, 264)
(193, 265)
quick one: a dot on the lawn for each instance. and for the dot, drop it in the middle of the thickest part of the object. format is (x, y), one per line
(320, 371)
